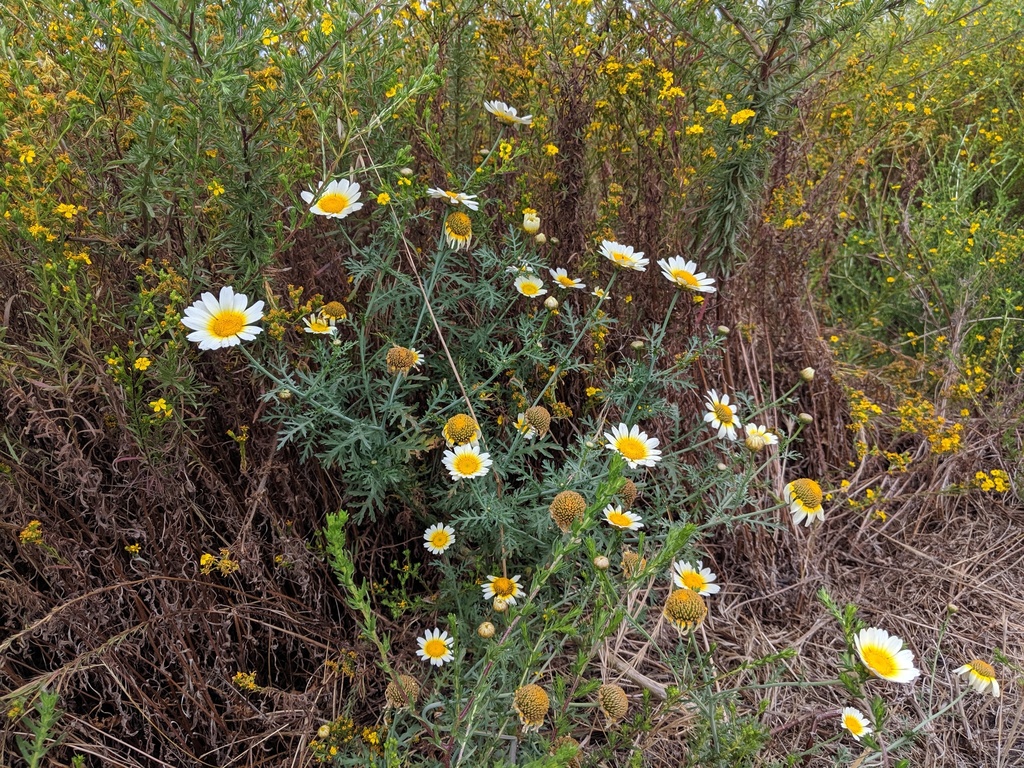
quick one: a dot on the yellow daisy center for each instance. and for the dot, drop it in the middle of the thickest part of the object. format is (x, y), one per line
(807, 492)
(687, 278)
(435, 648)
(693, 580)
(439, 539)
(467, 464)
(459, 226)
(566, 282)
(226, 323)
(879, 660)
(982, 670)
(620, 519)
(631, 447)
(333, 202)
(724, 414)
(621, 257)
(505, 117)
(529, 289)
(319, 326)
(504, 588)
(853, 724)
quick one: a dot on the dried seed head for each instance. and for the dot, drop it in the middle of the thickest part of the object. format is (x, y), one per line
(628, 494)
(538, 418)
(500, 604)
(613, 702)
(401, 360)
(686, 609)
(632, 563)
(805, 418)
(531, 704)
(460, 430)
(334, 310)
(486, 630)
(601, 563)
(567, 507)
(323, 731)
(807, 374)
(402, 692)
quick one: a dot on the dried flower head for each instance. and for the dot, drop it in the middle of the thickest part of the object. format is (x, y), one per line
(486, 630)
(613, 702)
(402, 692)
(632, 563)
(628, 493)
(686, 609)
(539, 418)
(403, 359)
(334, 310)
(566, 507)
(531, 704)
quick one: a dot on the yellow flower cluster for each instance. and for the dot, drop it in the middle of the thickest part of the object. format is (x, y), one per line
(994, 481)
(223, 563)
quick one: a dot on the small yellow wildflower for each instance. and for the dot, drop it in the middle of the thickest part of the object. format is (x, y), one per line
(142, 363)
(66, 210)
(133, 549)
(326, 23)
(550, 149)
(383, 198)
(32, 533)
(27, 157)
(739, 118)
(215, 188)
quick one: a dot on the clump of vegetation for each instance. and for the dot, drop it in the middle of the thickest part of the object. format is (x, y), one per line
(439, 384)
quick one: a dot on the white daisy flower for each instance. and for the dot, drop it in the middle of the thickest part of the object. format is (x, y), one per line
(601, 293)
(854, 721)
(319, 324)
(634, 446)
(466, 462)
(758, 437)
(617, 518)
(981, 676)
(335, 201)
(502, 588)
(530, 286)
(506, 114)
(438, 537)
(435, 647)
(684, 273)
(224, 321)
(695, 577)
(884, 656)
(561, 277)
(455, 198)
(721, 415)
(624, 256)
